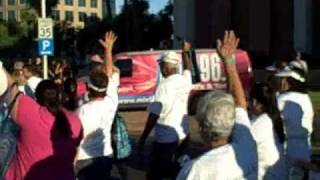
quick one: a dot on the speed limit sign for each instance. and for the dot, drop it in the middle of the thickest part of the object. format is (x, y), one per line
(45, 28)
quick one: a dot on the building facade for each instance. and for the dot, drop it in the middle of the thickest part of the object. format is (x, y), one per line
(270, 27)
(10, 10)
(76, 12)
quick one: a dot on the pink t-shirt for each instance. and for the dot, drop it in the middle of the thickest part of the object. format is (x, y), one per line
(39, 155)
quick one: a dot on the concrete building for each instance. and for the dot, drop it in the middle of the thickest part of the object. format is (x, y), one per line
(271, 27)
(74, 11)
(10, 10)
(78, 11)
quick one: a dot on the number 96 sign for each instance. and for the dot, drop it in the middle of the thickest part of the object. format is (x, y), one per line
(210, 68)
(45, 28)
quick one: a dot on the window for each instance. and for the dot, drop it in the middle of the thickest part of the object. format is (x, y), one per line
(82, 3)
(69, 16)
(55, 15)
(93, 3)
(68, 2)
(82, 16)
(125, 66)
(11, 16)
(11, 2)
(94, 15)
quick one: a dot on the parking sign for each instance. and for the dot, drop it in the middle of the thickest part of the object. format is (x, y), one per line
(45, 36)
(46, 47)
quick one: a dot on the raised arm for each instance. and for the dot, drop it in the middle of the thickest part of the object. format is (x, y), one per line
(109, 40)
(186, 47)
(226, 50)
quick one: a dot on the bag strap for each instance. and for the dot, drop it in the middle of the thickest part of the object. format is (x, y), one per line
(12, 105)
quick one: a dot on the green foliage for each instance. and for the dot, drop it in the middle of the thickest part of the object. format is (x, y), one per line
(36, 4)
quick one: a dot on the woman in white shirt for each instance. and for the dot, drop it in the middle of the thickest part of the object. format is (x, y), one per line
(267, 128)
(297, 113)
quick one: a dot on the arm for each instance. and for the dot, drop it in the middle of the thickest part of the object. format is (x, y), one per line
(151, 122)
(186, 56)
(226, 50)
(108, 43)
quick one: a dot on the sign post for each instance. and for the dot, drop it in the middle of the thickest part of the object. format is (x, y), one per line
(45, 38)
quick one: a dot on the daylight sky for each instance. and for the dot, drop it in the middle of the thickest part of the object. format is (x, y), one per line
(155, 5)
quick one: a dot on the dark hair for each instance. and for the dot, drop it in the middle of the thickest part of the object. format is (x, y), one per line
(267, 97)
(70, 94)
(49, 96)
(31, 68)
(297, 86)
(100, 80)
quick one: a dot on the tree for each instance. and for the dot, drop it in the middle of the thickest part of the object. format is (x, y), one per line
(36, 4)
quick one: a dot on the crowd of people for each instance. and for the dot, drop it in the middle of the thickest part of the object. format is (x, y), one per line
(263, 136)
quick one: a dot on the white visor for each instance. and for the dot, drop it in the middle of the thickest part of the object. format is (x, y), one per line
(289, 73)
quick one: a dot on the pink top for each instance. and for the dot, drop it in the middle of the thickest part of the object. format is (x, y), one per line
(39, 155)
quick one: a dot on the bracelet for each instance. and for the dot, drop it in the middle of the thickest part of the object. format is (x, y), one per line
(229, 60)
(186, 53)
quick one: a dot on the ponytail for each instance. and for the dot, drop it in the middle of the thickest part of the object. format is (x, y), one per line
(274, 114)
(267, 97)
(48, 95)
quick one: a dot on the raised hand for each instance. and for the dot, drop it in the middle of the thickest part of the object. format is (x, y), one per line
(109, 40)
(186, 46)
(228, 46)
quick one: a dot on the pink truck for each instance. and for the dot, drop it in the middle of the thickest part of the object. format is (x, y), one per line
(140, 75)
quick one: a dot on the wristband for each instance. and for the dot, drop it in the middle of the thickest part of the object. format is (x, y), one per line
(229, 60)
(187, 53)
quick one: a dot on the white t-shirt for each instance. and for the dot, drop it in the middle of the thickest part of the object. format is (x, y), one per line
(297, 113)
(33, 83)
(171, 105)
(237, 160)
(271, 160)
(97, 118)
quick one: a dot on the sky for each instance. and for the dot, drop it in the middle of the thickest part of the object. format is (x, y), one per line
(155, 5)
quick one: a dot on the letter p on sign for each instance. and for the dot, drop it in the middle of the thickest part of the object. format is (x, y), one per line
(46, 47)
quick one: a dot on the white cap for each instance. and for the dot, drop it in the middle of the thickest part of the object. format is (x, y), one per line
(3, 80)
(170, 57)
(287, 72)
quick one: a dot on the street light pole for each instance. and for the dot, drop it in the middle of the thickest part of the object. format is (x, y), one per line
(45, 57)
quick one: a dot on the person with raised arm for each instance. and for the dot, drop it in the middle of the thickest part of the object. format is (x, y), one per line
(168, 115)
(225, 127)
(97, 115)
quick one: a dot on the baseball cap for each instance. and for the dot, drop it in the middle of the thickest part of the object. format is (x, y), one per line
(3, 80)
(170, 57)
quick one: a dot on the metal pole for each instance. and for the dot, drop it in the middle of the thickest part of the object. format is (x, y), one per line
(45, 57)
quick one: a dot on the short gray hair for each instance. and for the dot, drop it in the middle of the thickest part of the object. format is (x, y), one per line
(216, 115)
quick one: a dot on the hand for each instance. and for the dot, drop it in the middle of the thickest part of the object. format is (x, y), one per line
(228, 46)
(186, 46)
(109, 40)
